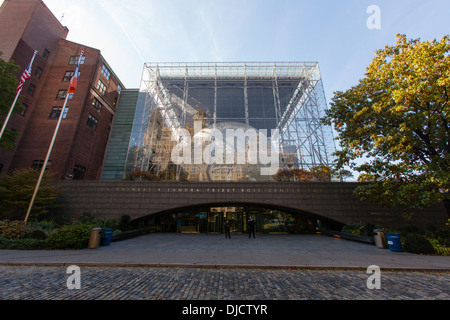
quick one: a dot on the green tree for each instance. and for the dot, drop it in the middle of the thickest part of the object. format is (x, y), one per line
(8, 86)
(393, 126)
(16, 190)
(343, 174)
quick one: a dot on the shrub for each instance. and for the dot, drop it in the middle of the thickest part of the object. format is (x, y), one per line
(13, 229)
(417, 243)
(439, 248)
(409, 229)
(46, 226)
(21, 244)
(360, 229)
(87, 218)
(36, 234)
(70, 237)
(124, 223)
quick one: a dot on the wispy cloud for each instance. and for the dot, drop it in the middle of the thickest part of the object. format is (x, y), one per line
(108, 9)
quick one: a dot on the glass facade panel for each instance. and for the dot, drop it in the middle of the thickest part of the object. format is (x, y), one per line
(212, 220)
(228, 121)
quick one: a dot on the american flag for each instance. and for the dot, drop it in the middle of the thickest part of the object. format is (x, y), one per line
(25, 76)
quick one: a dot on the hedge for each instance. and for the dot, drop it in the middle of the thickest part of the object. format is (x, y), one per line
(70, 237)
(22, 244)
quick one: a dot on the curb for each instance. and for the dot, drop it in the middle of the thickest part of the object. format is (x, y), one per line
(195, 266)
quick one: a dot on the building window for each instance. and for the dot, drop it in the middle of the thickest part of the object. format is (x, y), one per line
(92, 122)
(38, 72)
(97, 105)
(62, 95)
(38, 164)
(56, 112)
(79, 173)
(31, 89)
(101, 87)
(23, 110)
(46, 54)
(68, 76)
(119, 89)
(106, 72)
(74, 59)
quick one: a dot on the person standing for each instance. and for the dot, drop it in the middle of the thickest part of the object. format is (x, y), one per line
(227, 229)
(251, 227)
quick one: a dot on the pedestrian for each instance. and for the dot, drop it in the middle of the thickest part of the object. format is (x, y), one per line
(227, 229)
(251, 227)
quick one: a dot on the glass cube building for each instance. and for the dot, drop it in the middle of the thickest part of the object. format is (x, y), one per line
(220, 122)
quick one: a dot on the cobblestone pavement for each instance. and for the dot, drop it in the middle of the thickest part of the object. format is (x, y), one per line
(108, 283)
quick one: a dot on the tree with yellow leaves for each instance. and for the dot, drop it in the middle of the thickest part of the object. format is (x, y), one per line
(397, 120)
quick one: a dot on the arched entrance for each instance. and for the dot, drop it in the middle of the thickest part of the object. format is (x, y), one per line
(211, 218)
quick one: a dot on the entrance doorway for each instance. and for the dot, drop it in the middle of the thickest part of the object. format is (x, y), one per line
(212, 220)
(219, 215)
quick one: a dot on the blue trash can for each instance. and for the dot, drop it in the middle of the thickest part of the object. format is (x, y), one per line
(106, 240)
(393, 240)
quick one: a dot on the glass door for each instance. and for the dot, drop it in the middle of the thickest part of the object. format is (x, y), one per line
(235, 220)
(214, 222)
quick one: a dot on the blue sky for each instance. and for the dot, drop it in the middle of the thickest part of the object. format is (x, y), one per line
(332, 32)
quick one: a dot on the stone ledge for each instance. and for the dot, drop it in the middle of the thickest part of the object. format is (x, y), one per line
(351, 237)
(130, 234)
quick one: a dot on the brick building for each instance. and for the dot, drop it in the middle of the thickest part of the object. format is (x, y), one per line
(28, 25)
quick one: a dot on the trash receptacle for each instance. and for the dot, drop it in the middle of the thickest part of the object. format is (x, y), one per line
(106, 240)
(380, 239)
(393, 240)
(94, 239)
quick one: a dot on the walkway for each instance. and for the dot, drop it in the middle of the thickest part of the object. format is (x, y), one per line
(208, 250)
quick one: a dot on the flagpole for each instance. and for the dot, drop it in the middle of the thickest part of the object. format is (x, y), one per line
(46, 161)
(48, 153)
(10, 113)
(15, 101)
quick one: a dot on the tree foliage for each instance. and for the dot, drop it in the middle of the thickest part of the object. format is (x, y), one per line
(396, 121)
(8, 85)
(16, 191)
(316, 174)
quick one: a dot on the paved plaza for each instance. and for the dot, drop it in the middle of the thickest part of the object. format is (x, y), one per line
(144, 283)
(210, 267)
(210, 250)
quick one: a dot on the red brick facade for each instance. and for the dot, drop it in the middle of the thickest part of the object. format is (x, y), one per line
(80, 143)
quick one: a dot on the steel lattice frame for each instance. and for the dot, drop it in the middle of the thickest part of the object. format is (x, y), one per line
(298, 120)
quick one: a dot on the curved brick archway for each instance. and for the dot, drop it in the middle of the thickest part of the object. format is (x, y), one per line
(334, 201)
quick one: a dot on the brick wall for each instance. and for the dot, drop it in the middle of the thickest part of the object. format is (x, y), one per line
(28, 25)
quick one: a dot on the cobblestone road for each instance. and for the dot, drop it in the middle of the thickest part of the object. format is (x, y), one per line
(104, 283)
